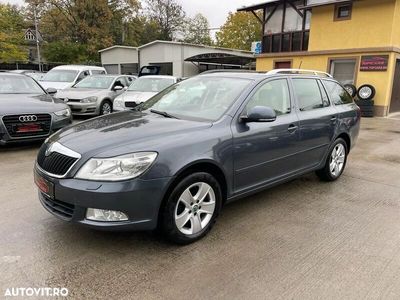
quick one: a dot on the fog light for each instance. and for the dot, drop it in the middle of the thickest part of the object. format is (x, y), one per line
(104, 215)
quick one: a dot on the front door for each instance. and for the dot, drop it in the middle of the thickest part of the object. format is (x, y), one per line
(395, 103)
(266, 151)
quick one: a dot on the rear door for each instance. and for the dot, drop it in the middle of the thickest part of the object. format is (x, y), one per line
(266, 151)
(317, 118)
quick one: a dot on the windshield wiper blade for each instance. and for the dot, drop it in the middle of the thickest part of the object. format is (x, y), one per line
(163, 113)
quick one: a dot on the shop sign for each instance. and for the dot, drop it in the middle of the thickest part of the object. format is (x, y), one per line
(374, 63)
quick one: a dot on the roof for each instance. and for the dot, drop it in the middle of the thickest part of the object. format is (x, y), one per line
(265, 3)
(77, 67)
(117, 47)
(159, 76)
(195, 45)
(257, 6)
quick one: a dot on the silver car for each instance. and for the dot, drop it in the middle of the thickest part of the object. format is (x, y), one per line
(142, 90)
(95, 94)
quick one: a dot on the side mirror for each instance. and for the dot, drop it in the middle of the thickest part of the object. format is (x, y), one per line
(259, 114)
(118, 88)
(51, 91)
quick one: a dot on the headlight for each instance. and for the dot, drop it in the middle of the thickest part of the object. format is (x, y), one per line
(63, 113)
(118, 103)
(89, 100)
(117, 168)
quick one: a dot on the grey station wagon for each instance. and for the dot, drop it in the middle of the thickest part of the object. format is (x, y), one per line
(177, 159)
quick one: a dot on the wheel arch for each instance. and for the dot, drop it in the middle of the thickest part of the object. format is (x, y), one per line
(346, 137)
(207, 166)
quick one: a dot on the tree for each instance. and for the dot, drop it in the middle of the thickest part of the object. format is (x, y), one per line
(168, 15)
(239, 31)
(65, 52)
(11, 34)
(197, 31)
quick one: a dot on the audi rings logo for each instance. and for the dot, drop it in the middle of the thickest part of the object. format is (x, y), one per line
(24, 119)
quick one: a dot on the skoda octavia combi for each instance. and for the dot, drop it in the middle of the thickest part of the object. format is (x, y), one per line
(176, 160)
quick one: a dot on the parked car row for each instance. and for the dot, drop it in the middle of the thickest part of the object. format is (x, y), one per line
(76, 90)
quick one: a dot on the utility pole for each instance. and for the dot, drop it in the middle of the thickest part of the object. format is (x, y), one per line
(37, 38)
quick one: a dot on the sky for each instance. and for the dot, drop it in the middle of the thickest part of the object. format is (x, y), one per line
(216, 11)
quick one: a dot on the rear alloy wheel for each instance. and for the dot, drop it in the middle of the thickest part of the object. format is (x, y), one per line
(105, 108)
(192, 208)
(335, 162)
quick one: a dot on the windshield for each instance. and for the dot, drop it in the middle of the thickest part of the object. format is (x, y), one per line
(10, 84)
(95, 82)
(154, 85)
(201, 97)
(60, 76)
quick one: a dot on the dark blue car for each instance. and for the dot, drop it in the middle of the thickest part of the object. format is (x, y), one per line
(175, 160)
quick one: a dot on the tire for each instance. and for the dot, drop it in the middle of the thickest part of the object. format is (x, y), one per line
(328, 172)
(351, 89)
(183, 220)
(105, 108)
(366, 92)
(365, 103)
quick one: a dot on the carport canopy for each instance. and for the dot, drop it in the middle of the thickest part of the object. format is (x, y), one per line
(222, 59)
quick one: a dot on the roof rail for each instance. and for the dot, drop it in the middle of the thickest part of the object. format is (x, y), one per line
(229, 71)
(299, 71)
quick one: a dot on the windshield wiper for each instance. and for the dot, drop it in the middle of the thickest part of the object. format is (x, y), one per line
(163, 113)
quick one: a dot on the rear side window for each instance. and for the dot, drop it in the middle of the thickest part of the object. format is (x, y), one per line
(309, 94)
(337, 93)
(98, 72)
(273, 94)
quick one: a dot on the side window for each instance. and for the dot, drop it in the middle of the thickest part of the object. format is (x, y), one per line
(273, 94)
(308, 94)
(95, 72)
(337, 93)
(82, 75)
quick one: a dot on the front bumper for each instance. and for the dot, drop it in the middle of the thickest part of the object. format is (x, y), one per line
(57, 124)
(79, 109)
(139, 199)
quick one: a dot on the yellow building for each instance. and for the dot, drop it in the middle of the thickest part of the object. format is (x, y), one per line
(358, 42)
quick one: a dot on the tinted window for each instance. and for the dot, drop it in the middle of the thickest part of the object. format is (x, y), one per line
(337, 93)
(273, 94)
(60, 76)
(308, 94)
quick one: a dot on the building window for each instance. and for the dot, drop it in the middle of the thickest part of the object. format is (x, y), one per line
(343, 12)
(286, 27)
(343, 70)
(29, 36)
(283, 64)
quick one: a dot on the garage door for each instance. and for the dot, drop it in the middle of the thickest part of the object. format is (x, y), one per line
(112, 69)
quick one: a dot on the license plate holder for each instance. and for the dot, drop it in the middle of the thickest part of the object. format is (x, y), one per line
(45, 186)
(29, 128)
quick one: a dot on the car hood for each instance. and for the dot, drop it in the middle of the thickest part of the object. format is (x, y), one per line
(55, 85)
(124, 132)
(72, 93)
(28, 103)
(137, 97)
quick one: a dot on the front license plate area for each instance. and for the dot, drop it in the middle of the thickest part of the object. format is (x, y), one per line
(45, 186)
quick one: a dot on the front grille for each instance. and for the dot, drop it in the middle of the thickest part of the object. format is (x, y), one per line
(130, 104)
(56, 163)
(15, 127)
(60, 208)
(74, 100)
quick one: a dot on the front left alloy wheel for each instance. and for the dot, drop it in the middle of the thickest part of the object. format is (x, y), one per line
(192, 208)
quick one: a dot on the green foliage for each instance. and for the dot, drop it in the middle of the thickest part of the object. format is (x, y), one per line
(66, 52)
(197, 31)
(11, 34)
(239, 31)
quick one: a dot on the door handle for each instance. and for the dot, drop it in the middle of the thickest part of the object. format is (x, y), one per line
(292, 128)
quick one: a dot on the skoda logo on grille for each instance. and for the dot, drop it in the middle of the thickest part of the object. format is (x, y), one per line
(49, 150)
(31, 118)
